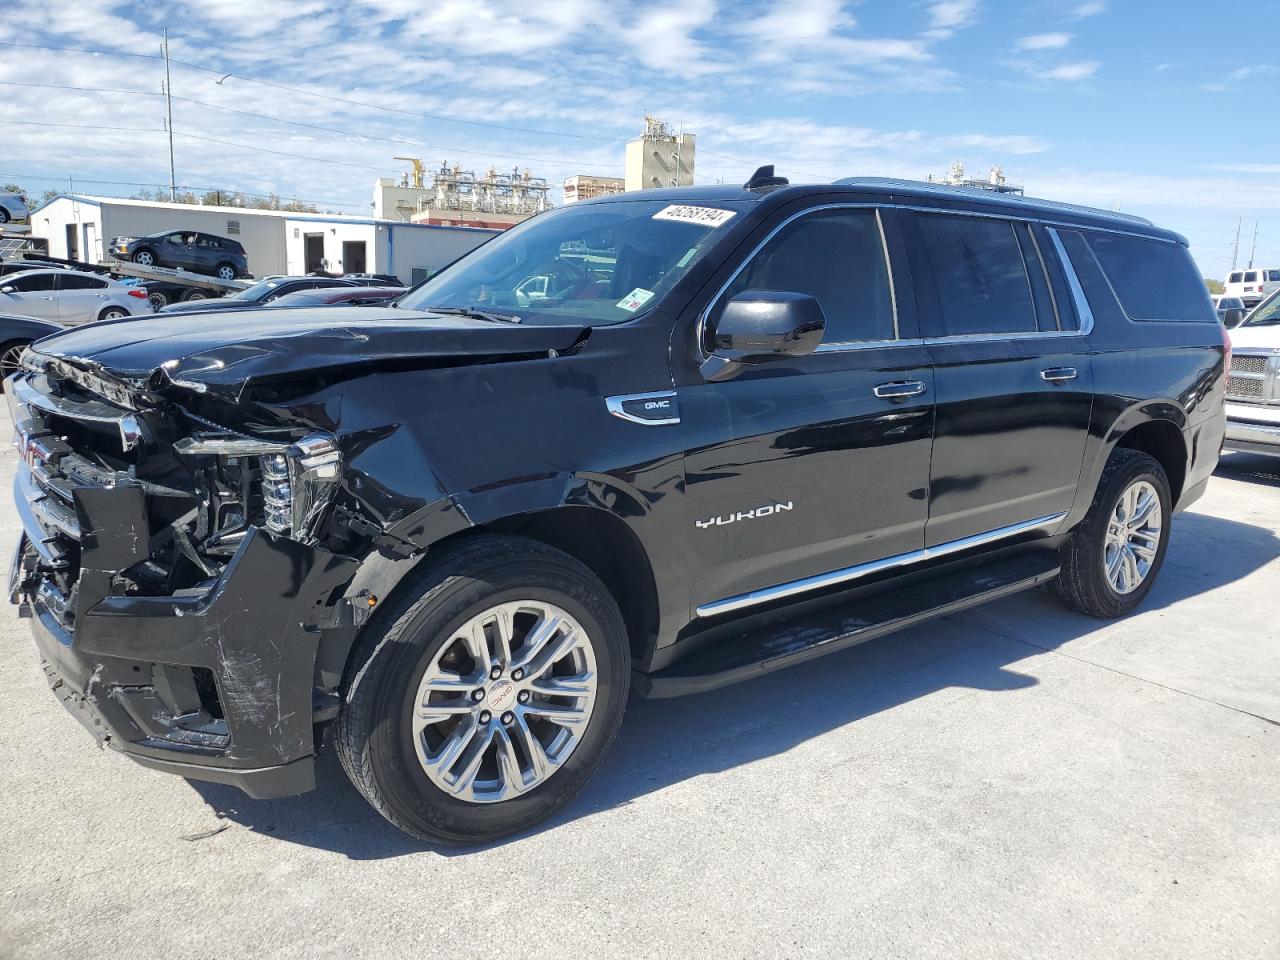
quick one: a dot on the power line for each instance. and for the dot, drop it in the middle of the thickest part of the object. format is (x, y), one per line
(39, 178)
(80, 126)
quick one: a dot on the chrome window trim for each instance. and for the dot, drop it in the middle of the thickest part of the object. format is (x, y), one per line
(700, 327)
(847, 574)
(1083, 311)
(614, 406)
(848, 346)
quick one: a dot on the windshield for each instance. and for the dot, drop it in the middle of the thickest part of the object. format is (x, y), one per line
(255, 292)
(598, 263)
(1265, 314)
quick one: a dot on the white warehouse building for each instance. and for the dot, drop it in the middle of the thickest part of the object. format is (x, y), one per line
(79, 227)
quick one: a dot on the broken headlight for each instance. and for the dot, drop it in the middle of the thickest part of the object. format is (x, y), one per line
(298, 484)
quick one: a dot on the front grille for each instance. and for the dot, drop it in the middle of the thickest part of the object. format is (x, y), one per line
(1247, 363)
(1246, 388)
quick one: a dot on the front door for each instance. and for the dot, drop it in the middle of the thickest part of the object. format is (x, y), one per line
(31, 295)
(805, 467)
(1013, 375)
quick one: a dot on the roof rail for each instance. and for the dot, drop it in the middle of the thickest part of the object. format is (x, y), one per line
(1006, 199)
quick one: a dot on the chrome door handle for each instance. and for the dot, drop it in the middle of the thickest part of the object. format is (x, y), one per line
(899, 389)
(1059, 374)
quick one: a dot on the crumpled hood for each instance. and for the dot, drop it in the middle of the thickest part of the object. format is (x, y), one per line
(222, 351)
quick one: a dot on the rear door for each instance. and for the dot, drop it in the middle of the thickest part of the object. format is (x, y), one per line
(808, 466)
(1012, 371)
(80, 298)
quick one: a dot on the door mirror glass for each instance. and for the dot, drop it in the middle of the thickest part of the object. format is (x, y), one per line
(761, 325)
(1232, 317)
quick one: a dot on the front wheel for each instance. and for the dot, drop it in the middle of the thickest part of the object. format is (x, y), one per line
(11, 358)
(1111, 559)
(225, 271)
(145, 258)
(4, 215)
(483, 698)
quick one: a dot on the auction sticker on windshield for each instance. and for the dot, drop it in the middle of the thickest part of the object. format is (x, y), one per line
(636, 299)
(704, 216)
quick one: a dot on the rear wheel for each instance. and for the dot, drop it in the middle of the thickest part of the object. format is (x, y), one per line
(158, 299)
(113, 313)
(195, 294)
(145, 258)
(10, 355)
(483, 698)
(1111, 559)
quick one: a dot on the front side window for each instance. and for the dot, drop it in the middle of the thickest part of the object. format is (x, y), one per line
(981, 276)
(597, 263)
(835, 256)
(33, 284)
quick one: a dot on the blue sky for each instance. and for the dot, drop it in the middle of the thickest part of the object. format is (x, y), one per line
(1163, 109)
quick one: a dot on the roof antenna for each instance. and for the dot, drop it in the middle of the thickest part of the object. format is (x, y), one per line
(763, 177)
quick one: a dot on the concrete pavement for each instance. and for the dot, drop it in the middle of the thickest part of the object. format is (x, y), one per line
(1015, 781)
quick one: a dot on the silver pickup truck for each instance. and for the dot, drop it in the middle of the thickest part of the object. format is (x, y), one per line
(1253, 391)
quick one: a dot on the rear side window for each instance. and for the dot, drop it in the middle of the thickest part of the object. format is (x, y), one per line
(1153, 279)
(837, 257)
(982, 279)
(72, 281)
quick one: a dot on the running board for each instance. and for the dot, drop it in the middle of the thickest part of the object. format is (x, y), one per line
(741, 651)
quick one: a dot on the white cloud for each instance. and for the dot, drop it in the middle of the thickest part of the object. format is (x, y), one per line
(948, 16)
(1081, 70)
(1044, 41)
(1091, 8)
(1266, 169)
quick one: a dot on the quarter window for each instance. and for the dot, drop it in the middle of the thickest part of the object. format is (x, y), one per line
(1153, 279)
(982, 279)
(836, 257)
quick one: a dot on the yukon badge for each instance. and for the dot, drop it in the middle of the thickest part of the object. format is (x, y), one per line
(768, 510)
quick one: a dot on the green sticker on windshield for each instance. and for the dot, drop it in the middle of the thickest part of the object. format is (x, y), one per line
(684, 261)
(636, 299)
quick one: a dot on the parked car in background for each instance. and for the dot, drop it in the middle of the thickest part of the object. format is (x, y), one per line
(13, 206)
(184, 250)
(16, 334)
(22, 266)
(260, 294)
(1252, 284)
(374, 279)
(339, 297)
(1253, 391)
(1231, 310)
(766, 423)
(70, 297)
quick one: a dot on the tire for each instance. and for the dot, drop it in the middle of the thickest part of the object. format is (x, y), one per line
(9, 354)
(196, 294)
(158, 300)
(145, 257)
(387, 758)
(4, 215)
(1085, 583)
(225, 271)
(113, 313)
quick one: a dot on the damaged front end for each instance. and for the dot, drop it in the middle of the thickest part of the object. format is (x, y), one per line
(177, 574)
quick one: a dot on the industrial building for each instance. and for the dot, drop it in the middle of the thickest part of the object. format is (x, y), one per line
(452, 196)
(659, 157)
(995, 182)
(584, 187)
(78, 226)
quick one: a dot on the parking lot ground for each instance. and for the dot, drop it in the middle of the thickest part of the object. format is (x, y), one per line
(1015, 781)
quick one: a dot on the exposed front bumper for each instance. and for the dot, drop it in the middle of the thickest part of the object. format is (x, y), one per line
(216, 684)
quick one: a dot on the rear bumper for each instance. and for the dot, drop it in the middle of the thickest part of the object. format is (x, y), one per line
(215, 685)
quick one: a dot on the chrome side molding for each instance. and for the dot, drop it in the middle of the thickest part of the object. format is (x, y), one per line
(847, 574)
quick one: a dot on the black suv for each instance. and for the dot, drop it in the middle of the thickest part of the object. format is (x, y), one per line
(659, 441)
(184, 250)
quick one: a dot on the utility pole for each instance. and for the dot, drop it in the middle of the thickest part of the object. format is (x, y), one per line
(168, 97)
(1235, 250)
(1254, 248)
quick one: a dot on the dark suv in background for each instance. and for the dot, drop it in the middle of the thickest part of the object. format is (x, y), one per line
(184, 250)
(666, 440)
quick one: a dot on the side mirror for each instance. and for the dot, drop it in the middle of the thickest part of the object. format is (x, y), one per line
(762, 325)
(1232, 317)
(7, 289)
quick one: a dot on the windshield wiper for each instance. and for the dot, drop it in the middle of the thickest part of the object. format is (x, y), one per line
(475, 313)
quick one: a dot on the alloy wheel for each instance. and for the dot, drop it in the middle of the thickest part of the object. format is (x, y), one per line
(10, 359)
(1133, 537)
(505, 701)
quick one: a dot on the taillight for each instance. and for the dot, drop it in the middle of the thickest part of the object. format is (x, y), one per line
(140, 294)
(1226, 353)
